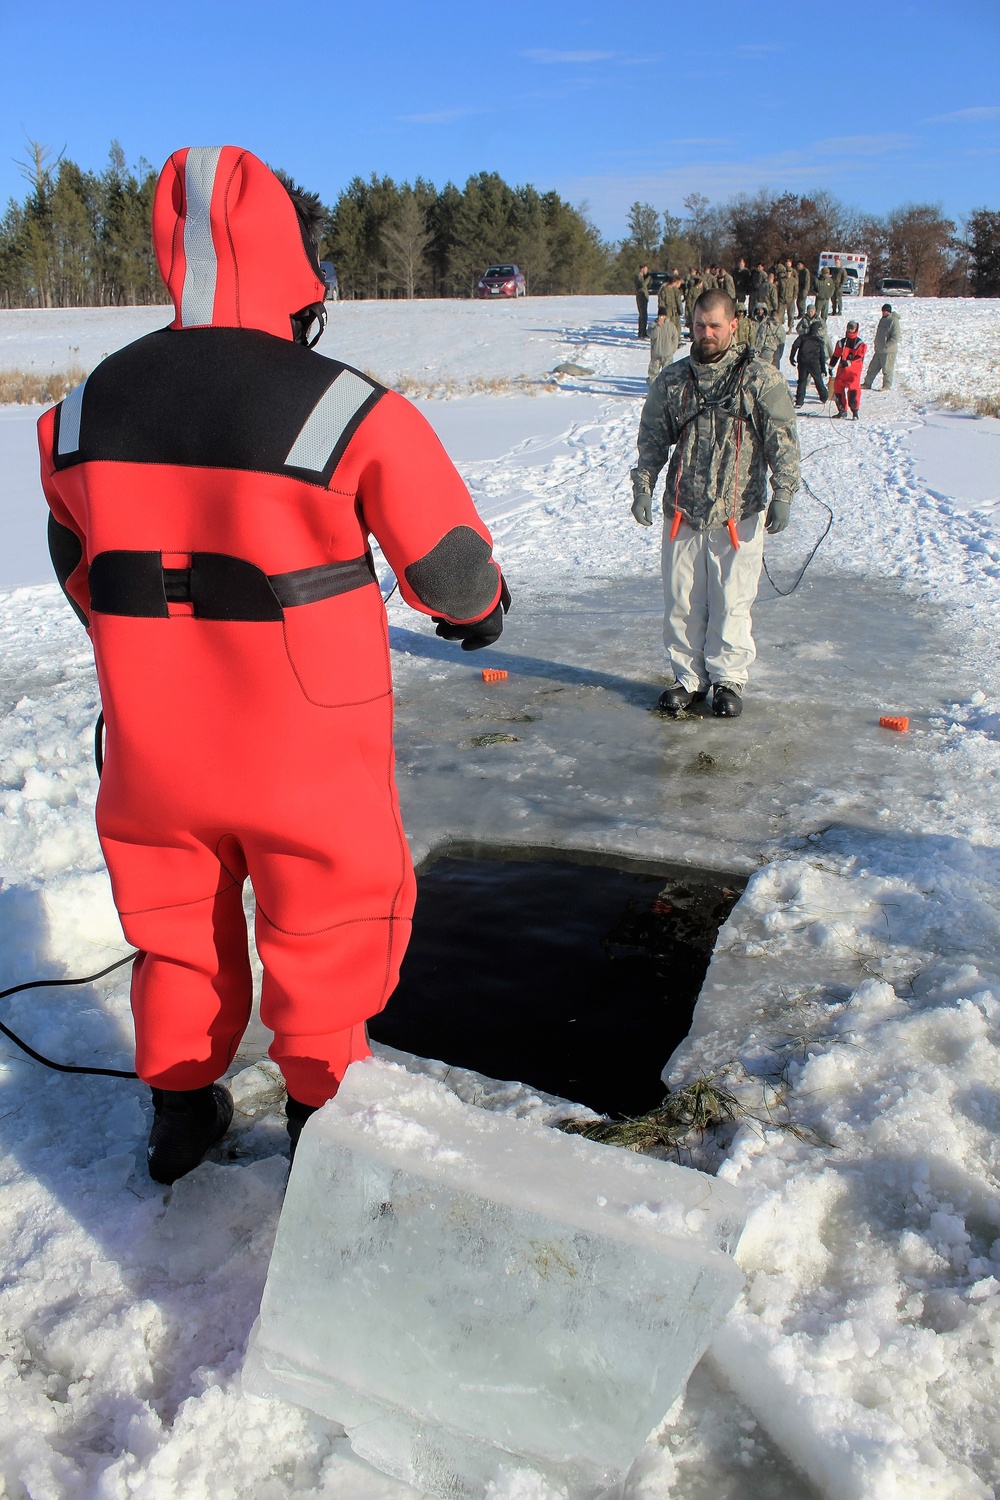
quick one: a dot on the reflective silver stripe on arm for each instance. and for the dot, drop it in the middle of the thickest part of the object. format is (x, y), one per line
(325, 424)
(69, 421)
(201, 265)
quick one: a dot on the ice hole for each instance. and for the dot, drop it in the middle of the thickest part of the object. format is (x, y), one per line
(573, 972)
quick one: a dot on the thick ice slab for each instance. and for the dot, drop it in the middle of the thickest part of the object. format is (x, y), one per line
(467, 1293)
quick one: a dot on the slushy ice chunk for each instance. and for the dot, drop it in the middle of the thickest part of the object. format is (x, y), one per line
(468, 1293)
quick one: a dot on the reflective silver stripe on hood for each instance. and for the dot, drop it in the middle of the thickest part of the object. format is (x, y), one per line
(201, 265)
(326, 423)
(69, 421)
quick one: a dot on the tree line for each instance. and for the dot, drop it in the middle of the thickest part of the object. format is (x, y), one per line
(82, 238)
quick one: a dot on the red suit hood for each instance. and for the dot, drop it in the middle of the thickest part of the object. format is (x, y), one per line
(228, 243)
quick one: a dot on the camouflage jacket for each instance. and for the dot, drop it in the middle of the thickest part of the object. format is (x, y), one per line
(824, 289)
(728, 424)
(668, 300)
(768, 338)
(728, 285)
(788, 285)
(641, 285)
(805, 280)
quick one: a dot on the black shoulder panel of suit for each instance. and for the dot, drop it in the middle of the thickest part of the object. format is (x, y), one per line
(220, 398)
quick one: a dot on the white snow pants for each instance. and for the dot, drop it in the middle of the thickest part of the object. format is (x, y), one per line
(708, 590)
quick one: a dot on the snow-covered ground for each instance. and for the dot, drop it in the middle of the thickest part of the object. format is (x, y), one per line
(852, 1006)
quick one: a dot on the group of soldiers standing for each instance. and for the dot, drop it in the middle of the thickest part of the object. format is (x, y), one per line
(769, 303)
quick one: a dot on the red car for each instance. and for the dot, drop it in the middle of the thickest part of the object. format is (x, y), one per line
(501, 281)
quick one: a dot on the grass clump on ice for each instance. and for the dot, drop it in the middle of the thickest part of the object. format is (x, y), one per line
(447, 387)
(699, 1106)
(26, 388)
(983, 406)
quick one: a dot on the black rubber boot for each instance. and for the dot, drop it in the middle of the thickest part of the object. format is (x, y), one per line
(727, 700)
(296, 1115)
(186, 1122)
(675, 699)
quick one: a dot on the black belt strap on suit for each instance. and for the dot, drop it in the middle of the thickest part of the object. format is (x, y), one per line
(218, 587)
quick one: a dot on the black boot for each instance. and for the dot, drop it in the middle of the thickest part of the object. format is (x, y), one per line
(296, 1115)
(675, 699)
(186, 1122)
(727, 700)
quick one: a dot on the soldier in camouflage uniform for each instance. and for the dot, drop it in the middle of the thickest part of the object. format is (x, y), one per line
(669, 301)
(758, 284)
(663, 341)
(839, 277)
(772, 294)
(805, 287)
(727, 283)
(823, 292)
(642, 298)
(768, 342)
(693, 288)
(728, 418)
(788, 284)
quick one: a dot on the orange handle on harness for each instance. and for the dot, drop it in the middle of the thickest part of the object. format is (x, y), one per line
(675, 525)
(731, 524)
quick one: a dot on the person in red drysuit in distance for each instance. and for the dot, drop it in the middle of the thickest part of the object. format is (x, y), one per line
(212, 490)
(848, 357)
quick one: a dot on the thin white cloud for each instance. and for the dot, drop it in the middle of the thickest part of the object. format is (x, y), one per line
(863, 145)
(547, 55)
(976, 112)
(757, 49)
(439, 116)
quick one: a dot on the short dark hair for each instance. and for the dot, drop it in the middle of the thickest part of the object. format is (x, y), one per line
(309, 211)
(714, 298)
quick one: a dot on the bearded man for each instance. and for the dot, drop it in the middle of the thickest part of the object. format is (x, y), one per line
(728, 418)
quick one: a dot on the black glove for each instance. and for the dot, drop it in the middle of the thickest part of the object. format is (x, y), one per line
(778, 514)
(476, 633)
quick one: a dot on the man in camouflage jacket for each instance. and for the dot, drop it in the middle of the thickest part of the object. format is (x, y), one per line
(728, 418)
(804, 277)
(670, 301)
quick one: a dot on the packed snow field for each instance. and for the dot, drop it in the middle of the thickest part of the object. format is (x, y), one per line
(853, 1001)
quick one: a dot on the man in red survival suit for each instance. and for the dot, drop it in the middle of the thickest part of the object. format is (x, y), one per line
(212, 488)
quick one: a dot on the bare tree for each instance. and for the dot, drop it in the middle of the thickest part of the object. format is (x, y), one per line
(405, 241)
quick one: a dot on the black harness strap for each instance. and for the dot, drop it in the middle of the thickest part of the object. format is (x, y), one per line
(217, 586)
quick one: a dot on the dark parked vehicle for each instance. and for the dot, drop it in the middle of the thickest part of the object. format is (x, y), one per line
(501, 281)
(329, 274)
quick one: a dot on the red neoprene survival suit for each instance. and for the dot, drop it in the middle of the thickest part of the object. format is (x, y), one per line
(212, 490)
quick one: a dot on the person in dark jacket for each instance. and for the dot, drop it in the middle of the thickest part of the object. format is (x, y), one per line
(743, 279)
(213, 488)
(809, 354)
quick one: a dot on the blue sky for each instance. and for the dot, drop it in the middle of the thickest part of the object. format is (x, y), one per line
(879, 103)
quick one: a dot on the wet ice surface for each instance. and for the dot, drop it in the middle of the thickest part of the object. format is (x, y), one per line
(855, 1018)
(471, 1295)
(807, 752)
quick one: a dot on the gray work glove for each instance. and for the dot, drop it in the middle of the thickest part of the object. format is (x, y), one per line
(642, 503)
(778, 513)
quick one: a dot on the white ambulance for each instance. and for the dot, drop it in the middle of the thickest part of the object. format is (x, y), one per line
(856, 267)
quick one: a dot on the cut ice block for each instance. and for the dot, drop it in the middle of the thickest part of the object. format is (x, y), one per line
(468, 1293)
